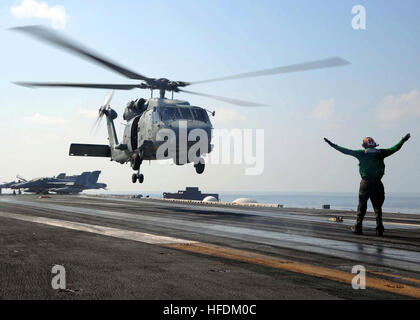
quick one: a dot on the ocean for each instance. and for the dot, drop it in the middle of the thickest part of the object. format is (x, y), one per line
(404, 203)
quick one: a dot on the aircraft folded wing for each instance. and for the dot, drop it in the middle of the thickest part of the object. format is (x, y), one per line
(21, 178)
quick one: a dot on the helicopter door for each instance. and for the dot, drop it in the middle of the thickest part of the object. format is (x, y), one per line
(134, 133)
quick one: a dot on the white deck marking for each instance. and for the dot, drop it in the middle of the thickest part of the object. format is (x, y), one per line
(106, 231)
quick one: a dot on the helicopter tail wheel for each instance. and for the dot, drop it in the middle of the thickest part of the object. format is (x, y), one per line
(141, 178)
(200, 166)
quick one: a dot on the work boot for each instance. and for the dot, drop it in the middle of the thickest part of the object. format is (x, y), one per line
(357, 229)
(379, 225)
(380, 230)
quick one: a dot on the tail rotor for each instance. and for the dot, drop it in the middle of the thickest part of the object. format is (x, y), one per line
(102, 110)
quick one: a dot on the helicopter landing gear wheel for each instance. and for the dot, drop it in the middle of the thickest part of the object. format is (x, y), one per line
(200, 166)
(134, 178)
(136, 166)
(137, 177)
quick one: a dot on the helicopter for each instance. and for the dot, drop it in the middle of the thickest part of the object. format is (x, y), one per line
(147, 118)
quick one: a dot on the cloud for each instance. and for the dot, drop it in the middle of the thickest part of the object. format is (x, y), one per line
(45, 120)
(324, 110)
(393, 109)
(41, 10)
(87, 113)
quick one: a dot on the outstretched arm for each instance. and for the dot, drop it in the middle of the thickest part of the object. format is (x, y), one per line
(349, 152)
(392, 150)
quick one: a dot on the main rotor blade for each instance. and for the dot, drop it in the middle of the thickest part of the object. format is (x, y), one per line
(58, 40)
(224, 99)
(79, 85)
(319, 64)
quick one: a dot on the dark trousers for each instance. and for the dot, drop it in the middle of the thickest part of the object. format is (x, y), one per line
(372, 189)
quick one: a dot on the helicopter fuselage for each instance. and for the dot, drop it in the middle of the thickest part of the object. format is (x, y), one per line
(156, 122)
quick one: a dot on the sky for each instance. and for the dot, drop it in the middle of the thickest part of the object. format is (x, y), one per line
(377, 95)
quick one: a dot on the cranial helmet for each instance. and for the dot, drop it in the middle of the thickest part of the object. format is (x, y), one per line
(368, 142)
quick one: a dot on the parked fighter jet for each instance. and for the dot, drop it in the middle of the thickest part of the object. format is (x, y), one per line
(62, 184)
(44, 185)
(91, 183)
(9, 185)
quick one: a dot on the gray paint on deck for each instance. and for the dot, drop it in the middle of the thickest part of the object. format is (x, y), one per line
(381, 255)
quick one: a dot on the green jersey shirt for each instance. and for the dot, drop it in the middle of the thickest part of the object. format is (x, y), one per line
(371, 160)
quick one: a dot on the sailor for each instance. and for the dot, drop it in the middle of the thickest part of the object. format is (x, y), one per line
(372, 169)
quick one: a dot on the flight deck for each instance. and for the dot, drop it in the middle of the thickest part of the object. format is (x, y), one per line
(120, 248)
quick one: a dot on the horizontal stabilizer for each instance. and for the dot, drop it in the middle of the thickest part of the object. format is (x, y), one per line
(90, 150)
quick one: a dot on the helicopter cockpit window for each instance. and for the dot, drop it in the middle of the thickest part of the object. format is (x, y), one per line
(167, 113)
(200, 115)
(186, 114)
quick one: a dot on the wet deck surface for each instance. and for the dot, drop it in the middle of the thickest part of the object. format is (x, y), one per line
(146, 249)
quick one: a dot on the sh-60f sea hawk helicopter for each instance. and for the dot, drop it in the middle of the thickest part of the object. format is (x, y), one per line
(146, 117)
